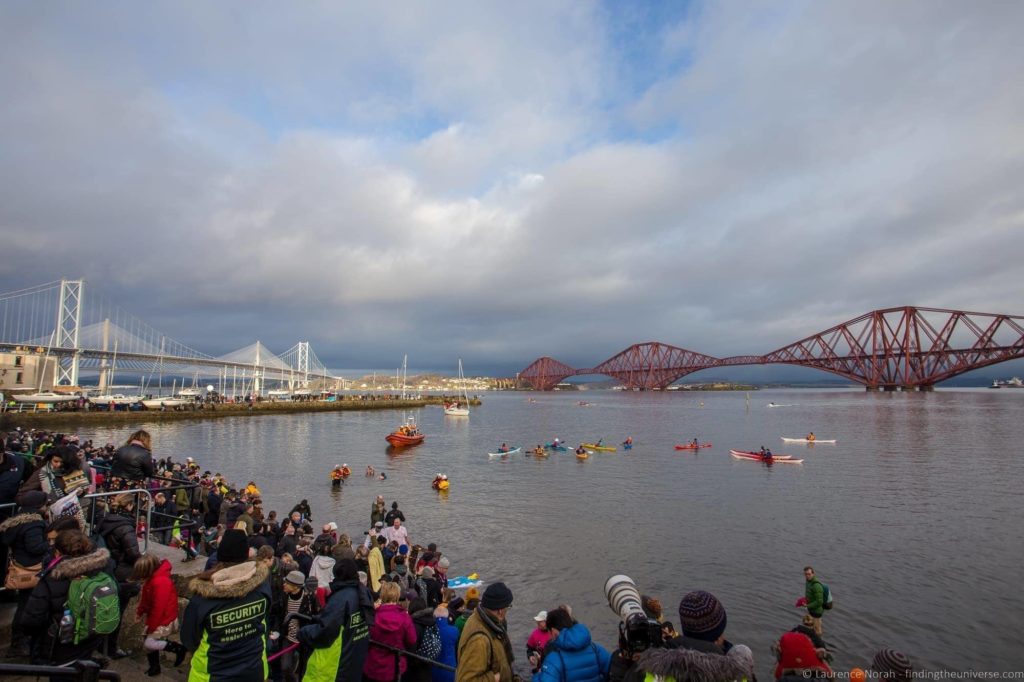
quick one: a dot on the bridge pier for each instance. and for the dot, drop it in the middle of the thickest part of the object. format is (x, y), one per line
(926, 388)
(889, 388)
(871, 389)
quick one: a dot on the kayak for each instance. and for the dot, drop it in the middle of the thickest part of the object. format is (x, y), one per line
(440, 485)
(627, 446)
(601, 448)
(582, 455)
(464, 581)
(559, 448)
(804, 440)
(693, 447)
(756, 456)
(511, 451)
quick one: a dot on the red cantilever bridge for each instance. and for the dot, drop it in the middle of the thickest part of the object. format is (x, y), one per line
(887, 349)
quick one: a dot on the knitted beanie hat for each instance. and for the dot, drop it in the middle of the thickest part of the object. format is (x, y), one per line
(234, 546)
(701, 616)
(893, 664)
(496, 596)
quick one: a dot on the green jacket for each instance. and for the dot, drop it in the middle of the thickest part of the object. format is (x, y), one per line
(815, 594)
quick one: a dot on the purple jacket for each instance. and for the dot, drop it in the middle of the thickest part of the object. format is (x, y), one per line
(393, 626)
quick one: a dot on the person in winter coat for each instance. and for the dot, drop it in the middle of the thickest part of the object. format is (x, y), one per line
(74, 556)
(133, 461)
(378, 511)
(340, 634)
(701, 651)
(814, 594)
(158, 604)
(24, 535)
(428, 587)
(323, 571)
(117, 528)
(343, 550)
(571, 656)
(225, 623)
(424, 622)
(394, 627)
(13, 471)
(164, 514)
(376, 562)
(797, 659)
(60, 475)
(449, 643)
(485, 652)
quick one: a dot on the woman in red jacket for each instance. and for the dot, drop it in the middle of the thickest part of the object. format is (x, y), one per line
(393, 626)
(158, 604)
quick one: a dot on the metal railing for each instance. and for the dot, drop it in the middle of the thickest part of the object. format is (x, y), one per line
(80, 671)
(138, 510)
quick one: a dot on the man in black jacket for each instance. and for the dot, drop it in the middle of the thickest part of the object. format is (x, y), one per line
(340, 634)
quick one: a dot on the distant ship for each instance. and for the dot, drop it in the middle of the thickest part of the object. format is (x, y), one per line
(1015, 382)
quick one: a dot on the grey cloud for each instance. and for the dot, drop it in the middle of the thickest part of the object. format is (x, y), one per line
(236, 175)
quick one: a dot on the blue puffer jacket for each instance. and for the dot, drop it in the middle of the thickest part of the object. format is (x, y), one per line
(572, 657)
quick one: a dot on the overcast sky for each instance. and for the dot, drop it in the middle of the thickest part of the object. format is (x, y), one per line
(505, 180)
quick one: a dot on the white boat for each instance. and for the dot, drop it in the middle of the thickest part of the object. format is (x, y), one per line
(193, 392)
(166, 401)
(44, 397)
(280, 394)
(804, 440)
(116, 399)
(459, 408)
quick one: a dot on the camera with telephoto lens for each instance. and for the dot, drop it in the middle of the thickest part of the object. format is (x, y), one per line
(637, 631)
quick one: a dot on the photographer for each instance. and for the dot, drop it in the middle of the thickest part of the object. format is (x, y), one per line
(570, 655)
(702, 651)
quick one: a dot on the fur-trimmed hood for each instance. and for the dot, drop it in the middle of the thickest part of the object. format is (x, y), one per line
(231, 582)
(19, 520)
(687, 664)
(70, 567)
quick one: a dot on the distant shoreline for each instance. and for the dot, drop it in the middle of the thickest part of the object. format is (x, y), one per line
(94, 417)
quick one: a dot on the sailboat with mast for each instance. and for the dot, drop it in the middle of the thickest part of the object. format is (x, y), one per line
(459, 408)
(408, 433)
(108, 399)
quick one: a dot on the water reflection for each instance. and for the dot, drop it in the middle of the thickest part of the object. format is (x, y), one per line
(913, 517)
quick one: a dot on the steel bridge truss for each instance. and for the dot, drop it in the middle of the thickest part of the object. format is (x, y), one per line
(906, 347)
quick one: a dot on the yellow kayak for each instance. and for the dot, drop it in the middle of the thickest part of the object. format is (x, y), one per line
(600, 448)
(582, 455)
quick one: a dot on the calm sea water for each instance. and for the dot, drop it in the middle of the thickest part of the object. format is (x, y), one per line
(913, 518)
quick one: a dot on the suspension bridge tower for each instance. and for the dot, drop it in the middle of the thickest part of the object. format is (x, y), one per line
(69, 321)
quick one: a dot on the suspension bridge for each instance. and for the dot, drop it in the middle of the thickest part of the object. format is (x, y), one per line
(69, 335)
(904, 348)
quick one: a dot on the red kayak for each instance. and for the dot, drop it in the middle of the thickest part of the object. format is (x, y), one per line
(756, 456)
(693, 447)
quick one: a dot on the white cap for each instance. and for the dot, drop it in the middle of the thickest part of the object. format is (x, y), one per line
(332, 525)
(543, 615)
